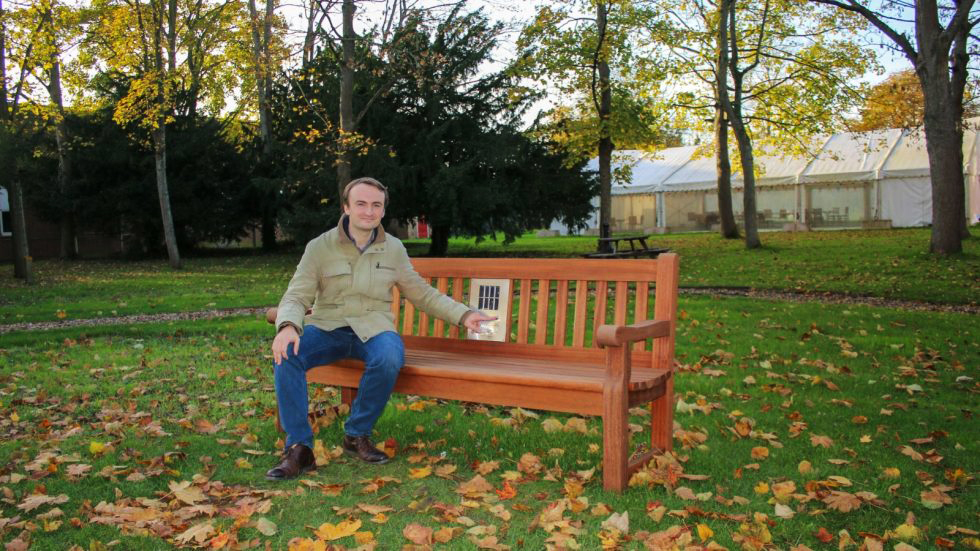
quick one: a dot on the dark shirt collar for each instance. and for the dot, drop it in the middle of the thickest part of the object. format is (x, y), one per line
(377, 235)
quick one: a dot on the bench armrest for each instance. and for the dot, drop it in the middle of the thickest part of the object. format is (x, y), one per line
(619, 335)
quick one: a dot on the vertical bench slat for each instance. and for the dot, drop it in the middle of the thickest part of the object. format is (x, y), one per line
(396, 304)
(439, 328)
(458, 297)
(541, 321)
(581, 300)
(423, 317)
(524, 312)
(599, 314)
(640, 308)
(622, 301)
(561, 306)
(409, 321)
(509, 312)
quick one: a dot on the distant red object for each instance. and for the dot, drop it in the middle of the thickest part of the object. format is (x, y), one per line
(423, 229)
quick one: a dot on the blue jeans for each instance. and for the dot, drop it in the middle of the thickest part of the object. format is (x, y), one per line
(383, 356)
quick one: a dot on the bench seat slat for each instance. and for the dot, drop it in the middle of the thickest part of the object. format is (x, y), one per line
(517, 371)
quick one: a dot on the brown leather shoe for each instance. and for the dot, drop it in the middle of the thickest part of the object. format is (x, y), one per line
(362, 448)
(296, 460)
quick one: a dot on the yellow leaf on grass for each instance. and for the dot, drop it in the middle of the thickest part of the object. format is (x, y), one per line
(445, 471)
(266, 527)
(805, 467)
(474, 486)
(198, 533)
(243, 463)
(420, 472)
(95, 448)
(760, 452)
(552, 425)
(444, 535)
(842, 501)
(306, 544)
(576, 424)
(185, 492)
(363, 537)
(418, 534)
(761, 488)
(330, 532)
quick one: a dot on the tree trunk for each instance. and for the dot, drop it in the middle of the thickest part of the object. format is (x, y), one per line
(344, 157)
(260, 59)
(723, 166)
(605, 141)
(942, 74)
(163, 192)
(944, 145)
(439, 244)
(733, 112)
(723, 163)
(261, 40)
(748, 191)
(22, 255)
(68, 248)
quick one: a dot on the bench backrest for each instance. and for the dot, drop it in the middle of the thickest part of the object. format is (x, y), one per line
(557, 303)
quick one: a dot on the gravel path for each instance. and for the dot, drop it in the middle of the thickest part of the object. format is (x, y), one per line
(824, 297)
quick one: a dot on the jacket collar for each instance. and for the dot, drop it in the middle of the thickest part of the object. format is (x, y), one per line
(343, 237)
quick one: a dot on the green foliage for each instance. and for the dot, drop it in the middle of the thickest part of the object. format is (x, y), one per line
(443, 137)
(806, 78)
(113, 189)
(559, 50)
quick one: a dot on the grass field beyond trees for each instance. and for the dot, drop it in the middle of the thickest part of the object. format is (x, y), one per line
(799, 425)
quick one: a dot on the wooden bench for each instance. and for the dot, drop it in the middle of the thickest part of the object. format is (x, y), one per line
(547, 363)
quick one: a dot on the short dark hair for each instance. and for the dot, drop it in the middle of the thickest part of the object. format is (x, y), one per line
(364, 180)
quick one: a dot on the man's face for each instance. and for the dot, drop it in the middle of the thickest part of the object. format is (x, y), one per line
(365, 207)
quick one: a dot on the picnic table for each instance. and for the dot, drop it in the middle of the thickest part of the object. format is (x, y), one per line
(628, 246)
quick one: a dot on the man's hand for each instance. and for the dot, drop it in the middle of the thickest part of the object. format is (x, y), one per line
(280, 345)
(472, 319)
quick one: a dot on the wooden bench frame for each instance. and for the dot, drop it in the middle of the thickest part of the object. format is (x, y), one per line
(605, 380)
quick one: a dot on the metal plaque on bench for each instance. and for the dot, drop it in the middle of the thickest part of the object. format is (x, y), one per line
(492, 297)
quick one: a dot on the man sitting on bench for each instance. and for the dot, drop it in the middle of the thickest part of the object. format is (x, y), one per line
(346, 274)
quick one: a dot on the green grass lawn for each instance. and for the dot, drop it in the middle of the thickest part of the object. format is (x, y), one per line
(885, 263)
(795, 422)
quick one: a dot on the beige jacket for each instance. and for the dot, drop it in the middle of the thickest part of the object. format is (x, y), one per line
(349, 288)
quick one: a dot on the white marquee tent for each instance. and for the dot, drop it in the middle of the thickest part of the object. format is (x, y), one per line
(869, 179)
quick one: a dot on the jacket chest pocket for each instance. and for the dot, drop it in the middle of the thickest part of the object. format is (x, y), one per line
(335, 278)
(383, 275)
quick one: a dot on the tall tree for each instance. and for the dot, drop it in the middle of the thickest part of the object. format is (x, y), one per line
(266, 58)
(576, 48)
(444, 139)
(140, 38)
(778, 74)
(728, 39)
(56, 22)
(940, 56)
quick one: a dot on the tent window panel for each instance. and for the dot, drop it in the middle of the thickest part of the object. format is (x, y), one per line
(838, 205)
(684, 210)
(634, 212)
(777, 205)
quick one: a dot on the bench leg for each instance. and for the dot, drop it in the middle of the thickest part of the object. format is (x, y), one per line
(615, 438)
(662, 419)
(347, 396)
